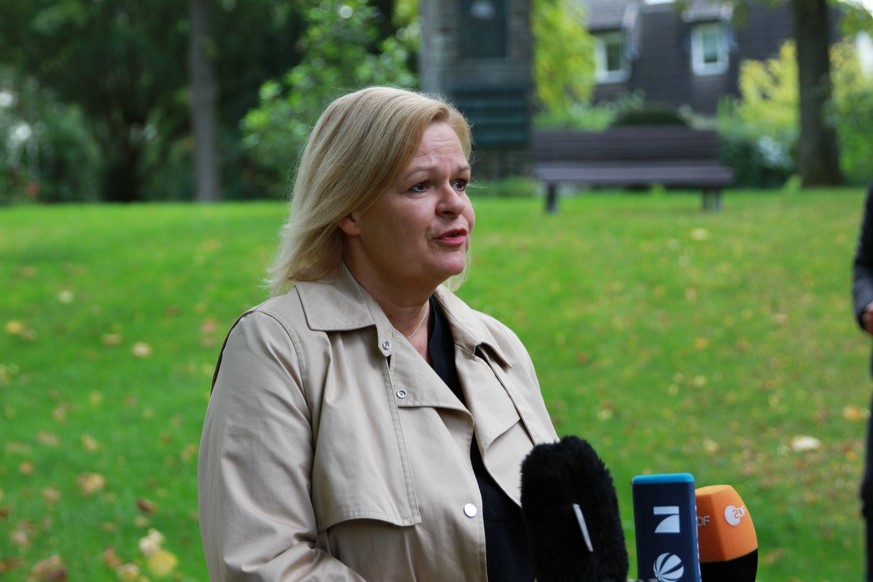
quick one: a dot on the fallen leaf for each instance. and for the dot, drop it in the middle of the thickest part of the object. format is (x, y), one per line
(59, 413)
(127, 572)
(7, 565)
(111, 339)
(162, 563)
(51, 495)
(15, 327)
(50, 569)
(20, 536)
(711, 447)
(90, 443)
(146, 506)
(111, 558)
(854, 413)
(189, 452)
(140, 521)
(151, 543)
(141, 350)
(90, 483)
(803, 443)
(699, 234)
(48, 439)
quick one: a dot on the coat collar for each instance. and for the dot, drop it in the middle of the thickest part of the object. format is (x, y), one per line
(340, 303)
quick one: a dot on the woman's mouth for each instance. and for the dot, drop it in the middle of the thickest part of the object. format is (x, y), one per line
(453, 237)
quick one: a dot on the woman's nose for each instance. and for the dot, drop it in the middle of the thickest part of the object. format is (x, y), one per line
(452, 201)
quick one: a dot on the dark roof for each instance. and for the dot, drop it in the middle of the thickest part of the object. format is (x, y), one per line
(610, 14)
(702, 10)
(616, 14)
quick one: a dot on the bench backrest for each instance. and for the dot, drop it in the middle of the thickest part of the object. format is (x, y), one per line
(626, 143)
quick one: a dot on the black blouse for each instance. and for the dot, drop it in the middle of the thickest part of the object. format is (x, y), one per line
(507, 554)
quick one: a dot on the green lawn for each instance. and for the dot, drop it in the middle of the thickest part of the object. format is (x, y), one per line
(721, 344)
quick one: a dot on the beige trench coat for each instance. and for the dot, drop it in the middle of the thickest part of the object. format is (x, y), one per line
(332, 451)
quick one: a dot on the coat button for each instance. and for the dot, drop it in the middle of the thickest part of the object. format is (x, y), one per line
(470, 510)
(401, 393)
(386, 345)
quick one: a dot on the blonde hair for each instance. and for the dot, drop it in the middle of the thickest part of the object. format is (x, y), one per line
(357, 150)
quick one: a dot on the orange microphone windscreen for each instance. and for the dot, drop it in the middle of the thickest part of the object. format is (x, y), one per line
(724, 525)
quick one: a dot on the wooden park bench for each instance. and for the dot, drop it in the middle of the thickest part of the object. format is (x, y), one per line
(632, 157)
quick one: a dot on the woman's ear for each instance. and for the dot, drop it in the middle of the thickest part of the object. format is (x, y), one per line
(349, 224)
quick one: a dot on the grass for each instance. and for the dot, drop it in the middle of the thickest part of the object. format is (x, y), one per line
(673, 340)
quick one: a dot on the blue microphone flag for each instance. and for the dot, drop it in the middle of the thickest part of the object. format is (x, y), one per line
(665, 522)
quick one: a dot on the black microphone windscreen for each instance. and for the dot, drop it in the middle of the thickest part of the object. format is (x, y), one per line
(554, 478)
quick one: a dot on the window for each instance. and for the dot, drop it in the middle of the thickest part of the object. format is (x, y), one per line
(609, 57)
(709, 54)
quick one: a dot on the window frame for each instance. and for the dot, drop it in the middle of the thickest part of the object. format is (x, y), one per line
(602, 73)
(698, 51)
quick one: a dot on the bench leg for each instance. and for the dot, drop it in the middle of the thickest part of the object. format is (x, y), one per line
(551, 198)
(712, 200)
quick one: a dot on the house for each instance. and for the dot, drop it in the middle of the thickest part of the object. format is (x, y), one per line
(680, 56)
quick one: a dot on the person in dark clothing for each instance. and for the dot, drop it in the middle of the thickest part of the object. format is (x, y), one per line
(862, 295)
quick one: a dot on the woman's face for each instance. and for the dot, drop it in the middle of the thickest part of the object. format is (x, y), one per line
(416, 235)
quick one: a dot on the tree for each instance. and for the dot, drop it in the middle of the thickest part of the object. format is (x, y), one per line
(204, 95)
(563, 55)
(110, 59)
(818, 155)
(343, 52)
(118, 61)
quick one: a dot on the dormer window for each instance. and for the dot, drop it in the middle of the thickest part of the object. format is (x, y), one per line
(609, 57)
(709, 49)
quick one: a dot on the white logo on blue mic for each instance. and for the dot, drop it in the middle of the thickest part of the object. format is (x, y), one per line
(668, 568)
(671, 523)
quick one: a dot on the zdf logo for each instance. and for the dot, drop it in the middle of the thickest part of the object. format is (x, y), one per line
(734, 515)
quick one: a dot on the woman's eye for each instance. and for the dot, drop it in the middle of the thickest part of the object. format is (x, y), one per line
(419, 188)
(460, 184)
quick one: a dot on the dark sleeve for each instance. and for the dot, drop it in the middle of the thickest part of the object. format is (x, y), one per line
(862, 271)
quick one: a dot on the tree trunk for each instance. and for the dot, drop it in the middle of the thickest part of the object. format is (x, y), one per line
(204, 98)
(121, 175)
(818, 158)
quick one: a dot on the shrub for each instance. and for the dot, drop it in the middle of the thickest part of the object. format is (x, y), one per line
(341, 55)
(511, 187)
(760, 131)
(758, 159)
(851, 112)
(650, 114)
(49, 155)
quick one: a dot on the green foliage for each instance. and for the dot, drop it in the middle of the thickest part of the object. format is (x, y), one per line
(770, 95)
(673, 340)
(342, 53)
(852, 112)
(48, 154)
(587, 116)
(512, 187)
(761, 129)
(563, 55)
(122, 66)
(118, 63)
(650, 114)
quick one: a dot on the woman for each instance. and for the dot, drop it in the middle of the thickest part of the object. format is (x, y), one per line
(366, 424)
